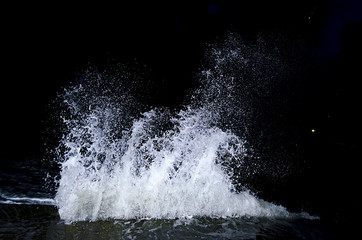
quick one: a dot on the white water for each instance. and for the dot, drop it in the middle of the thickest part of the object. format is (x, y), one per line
(169, 176)
(5, 199)
(119, 166)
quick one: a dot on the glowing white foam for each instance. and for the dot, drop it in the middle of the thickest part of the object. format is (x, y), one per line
(177, 174)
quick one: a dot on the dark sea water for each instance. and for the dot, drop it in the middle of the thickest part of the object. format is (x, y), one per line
(42, 222)
(28, 211)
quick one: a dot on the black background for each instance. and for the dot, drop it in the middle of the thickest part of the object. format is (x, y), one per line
(44, 47)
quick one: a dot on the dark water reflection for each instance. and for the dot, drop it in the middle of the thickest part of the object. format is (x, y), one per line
(42, 222)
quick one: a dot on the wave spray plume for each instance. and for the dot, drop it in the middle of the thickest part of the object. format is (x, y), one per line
(120, 162)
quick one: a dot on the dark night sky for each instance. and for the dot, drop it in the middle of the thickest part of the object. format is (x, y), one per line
(45, 46)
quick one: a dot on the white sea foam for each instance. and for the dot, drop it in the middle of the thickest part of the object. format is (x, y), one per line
(5, 199)
(178, 174)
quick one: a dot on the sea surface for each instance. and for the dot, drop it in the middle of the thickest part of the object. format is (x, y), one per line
(28, 211)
